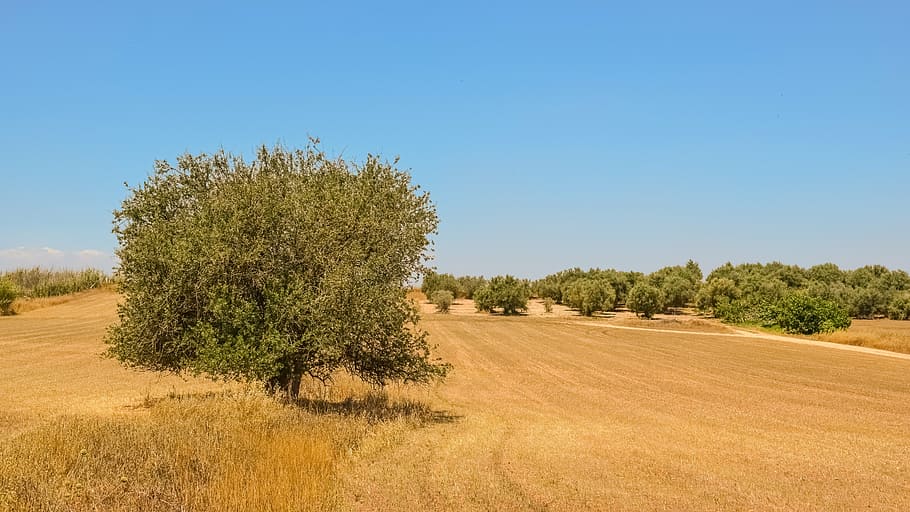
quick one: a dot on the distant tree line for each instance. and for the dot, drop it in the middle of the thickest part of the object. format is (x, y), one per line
(39, 282)
(795, 299)
(744, 293)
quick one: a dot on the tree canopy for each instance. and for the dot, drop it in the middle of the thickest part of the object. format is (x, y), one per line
(293, 264)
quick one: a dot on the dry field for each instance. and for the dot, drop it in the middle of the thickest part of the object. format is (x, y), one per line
(540, 413)
(883, 334)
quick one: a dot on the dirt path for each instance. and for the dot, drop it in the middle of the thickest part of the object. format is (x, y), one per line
(764, 336)
(557, 415)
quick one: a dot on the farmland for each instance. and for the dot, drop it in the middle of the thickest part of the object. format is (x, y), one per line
(541, 412)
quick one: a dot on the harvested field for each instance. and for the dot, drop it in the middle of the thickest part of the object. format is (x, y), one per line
(539, 413)
(51, 364)
(556, 415)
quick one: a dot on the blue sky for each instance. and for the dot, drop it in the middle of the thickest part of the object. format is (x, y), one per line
(630, 134)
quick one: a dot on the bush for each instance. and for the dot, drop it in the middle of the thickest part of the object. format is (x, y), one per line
(802, 314)
(443, 300)
(899, 309)
(293, 264)
(589, 295)
(504, 292)
(548, 304)
(9, 292)
(645, 300)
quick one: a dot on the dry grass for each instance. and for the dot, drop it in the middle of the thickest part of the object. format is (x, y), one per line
(232, 451)
(893, 335)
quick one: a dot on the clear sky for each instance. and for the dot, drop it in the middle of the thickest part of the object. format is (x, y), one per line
(614, 134)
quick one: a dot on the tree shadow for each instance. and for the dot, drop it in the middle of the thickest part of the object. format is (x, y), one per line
(377, 407)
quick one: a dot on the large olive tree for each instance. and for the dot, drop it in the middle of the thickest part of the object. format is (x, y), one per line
(291, 265)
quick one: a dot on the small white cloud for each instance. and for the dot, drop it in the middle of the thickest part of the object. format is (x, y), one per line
(48, 257)
(14, 252)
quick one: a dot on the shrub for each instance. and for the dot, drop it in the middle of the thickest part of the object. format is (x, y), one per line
(504, 292)
(899, 309)
(740, 311)
(548, 304)
(645, 300)
(588, 295)
(9, 292)
(293, 264)
(443, 300)
(802, 314)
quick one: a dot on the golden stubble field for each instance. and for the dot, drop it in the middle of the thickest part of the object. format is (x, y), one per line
(540, 413)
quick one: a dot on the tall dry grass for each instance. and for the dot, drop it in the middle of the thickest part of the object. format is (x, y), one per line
(231, 451)
(39, 282)
(893, 335)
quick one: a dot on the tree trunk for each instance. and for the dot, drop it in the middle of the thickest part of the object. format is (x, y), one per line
(285, 383)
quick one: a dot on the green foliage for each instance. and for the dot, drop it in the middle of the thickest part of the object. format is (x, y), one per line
(588, 295)
(678, 284)
(503, 292)
(899, 309)
(645, 300)
(868, 302)
(827, 273)
(39, 282)
(433, 282)
(717, 290)
(9, 292)
(293, 264)
(443, 300)
(556, 285)
(800, 313)
(548, 304)
(467, 285)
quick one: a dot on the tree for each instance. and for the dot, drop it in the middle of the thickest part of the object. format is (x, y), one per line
(467, 285)
(293, 264)
(645, 300)
(677, 291)
(442, 299)
(504, 292)
(588, 295)
(432, 282)
(716, 290)
(899, 309)
(800, 313)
